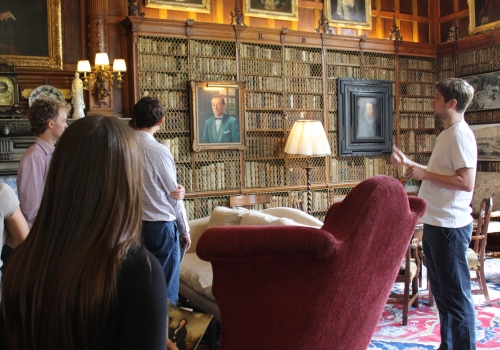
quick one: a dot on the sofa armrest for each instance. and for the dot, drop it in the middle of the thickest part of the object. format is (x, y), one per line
(196, 229)
(218, 243)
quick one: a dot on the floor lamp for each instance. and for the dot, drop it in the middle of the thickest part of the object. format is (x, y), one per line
(308, 138)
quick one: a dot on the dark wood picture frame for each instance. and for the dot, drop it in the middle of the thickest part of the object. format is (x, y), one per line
(488, 149)
(486, 91)
(30, 36)
(365, 117)
(231, 134)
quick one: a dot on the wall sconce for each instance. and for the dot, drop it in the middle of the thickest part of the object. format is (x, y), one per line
(102, 72)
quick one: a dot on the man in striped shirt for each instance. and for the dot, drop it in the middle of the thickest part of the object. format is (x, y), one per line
(164, 221)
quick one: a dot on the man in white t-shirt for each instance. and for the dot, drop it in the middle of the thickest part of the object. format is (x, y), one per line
(447, 186)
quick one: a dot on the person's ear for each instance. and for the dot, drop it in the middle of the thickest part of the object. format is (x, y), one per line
(50, 123)
(453, 103)
(160, 122)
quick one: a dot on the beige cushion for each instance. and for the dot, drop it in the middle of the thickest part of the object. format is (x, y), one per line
(294, 214)
(413, 268)
(222, 216)
(256, 218)
(197, 274)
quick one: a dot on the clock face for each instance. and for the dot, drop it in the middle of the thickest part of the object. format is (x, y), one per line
(6, 92)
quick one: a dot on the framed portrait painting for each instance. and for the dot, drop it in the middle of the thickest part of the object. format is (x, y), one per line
(217, 115)
(365, 117)
(484, 15)
(488, 149)
(30, 33)
(349, 13)
(277, 9)
(201, 6)
(486, 91)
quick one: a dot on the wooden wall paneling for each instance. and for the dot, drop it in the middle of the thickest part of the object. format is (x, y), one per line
(406, 28)
(71, 29)
(406, 7)
(120, 8)
(387, 5)
(446, 7)
(434, 19)
(444, 29)
(422, 8)
(386, 26)
(423, 33)
(462, 5)
(307, 20)
(463, 25)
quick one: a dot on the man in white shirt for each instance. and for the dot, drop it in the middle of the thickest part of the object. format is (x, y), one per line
(48, 118)
(447, 186)
(164, 220)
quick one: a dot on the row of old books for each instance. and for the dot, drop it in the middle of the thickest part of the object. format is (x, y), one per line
(178, 147)
(412, 142)
(171, 99)
(349, 170)
(219, 65)
(203, 48)
(295, 54)
(379, 73)
(162, 63)
(297, 176)
(161, 46)
(415, 104)
(217, 176)
(269, 121)
(418, 76)
(263, 83)
(185, 176)
(265, 147)
(207, 204)
(298, 69)
(320, 200)
(416, 121)
(257, 51)
(159, 80)
(304, 101)
(175, 122)
(344, 71)
(412, 63)
(264, 100)
(419, 89)
(261, 68)
(343, 57)
(260, 174)
(305, 85)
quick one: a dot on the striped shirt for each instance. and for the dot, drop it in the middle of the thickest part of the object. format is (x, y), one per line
(159, 179)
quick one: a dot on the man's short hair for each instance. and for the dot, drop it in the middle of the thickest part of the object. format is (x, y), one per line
(221, 98)
(458, 89)
(147, 112)
(42, 110)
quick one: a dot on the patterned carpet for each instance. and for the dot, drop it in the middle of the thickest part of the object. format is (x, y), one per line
(422, 331)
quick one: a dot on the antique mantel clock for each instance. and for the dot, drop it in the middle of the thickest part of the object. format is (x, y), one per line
(9, 91)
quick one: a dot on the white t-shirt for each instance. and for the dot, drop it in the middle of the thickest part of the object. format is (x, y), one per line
(455, 148)
(8, 206)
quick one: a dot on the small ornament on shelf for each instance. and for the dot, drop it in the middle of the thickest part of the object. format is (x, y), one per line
(237, 16)
(395, 33)
(454, 33)
(324, 26)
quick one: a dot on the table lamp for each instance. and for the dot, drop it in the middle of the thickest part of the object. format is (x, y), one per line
(308, 138)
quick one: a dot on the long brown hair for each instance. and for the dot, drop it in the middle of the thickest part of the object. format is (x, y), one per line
(60, 283)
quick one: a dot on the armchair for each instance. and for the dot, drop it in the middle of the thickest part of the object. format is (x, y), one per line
(297, 287)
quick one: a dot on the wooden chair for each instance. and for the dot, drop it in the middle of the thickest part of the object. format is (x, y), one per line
(476, 253)
(409, 273)
(250, 201)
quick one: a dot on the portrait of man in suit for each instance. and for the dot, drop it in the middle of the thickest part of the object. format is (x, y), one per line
(220, 127)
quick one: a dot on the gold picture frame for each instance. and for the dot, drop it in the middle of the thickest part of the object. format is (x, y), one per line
(479, 22)
(349, 13)
(201, 6)
(25, 28)
(226, 98)
(287, 10)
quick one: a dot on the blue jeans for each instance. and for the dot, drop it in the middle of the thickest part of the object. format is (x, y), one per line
(162, 240)
(445, 252)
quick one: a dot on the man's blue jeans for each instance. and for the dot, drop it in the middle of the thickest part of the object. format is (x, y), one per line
(162, 240)
(445, 252)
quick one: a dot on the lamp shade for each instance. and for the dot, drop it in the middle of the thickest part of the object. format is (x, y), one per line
(308, 138)
(119, 65)
(101, 59)
(83, 66)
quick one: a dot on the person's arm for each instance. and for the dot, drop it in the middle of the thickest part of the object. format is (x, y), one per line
(17, 229)
(179, 193)
(462, 181)
(399, 159)
(31, 183)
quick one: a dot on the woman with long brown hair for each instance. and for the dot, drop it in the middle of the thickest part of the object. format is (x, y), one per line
(80, 280)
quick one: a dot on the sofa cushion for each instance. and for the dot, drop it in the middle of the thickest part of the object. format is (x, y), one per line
(197, 274)
(256, 218)
(222, 216)
(294, 214)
